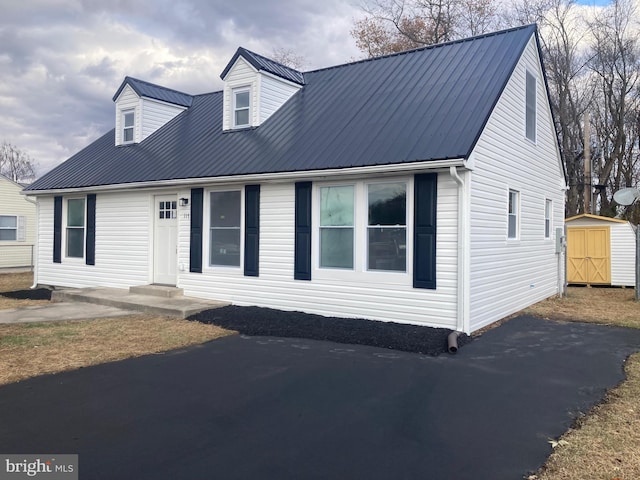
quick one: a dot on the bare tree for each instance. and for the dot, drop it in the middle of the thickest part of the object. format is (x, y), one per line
(615, 67)
(289, 58)
(16, 164)
(397, 25)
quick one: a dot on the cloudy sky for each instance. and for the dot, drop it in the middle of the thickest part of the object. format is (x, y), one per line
(61, 61)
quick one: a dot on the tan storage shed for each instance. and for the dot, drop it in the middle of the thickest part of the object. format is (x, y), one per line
(600, 251)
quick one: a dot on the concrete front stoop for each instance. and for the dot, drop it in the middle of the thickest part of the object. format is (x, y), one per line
(153, 299)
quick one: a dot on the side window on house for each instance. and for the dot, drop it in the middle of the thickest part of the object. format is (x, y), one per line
(531, 107)
(225, 225)
(514, 200)
(8, 228)
(128, 122)
(75, 227)
(336, 226)
(547, 218)
(241, 107)
(387, 227)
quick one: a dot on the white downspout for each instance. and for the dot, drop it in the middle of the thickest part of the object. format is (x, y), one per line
(462, 324)
(34, 252)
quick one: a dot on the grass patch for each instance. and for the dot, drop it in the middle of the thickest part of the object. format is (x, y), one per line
(31, 349)
(605, 444)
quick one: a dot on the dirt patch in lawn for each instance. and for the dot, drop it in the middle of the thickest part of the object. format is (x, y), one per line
(605, 444)
(31, 349)
(15, 291)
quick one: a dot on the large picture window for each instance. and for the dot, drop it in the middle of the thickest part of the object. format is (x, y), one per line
(225, 225)
(387, 227)
(75, 227)
(336, 226)
(8, 228)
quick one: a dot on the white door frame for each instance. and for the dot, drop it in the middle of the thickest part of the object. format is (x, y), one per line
(165, 239)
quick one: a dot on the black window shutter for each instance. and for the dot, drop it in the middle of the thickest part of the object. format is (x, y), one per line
(195, 247)
(424, 241)
(57, 229)
(302, 261)
(251, 230)
(91, 230)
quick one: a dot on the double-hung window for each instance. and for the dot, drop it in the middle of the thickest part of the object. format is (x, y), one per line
(547, 218)
(530, 106)
(336, 226)
(128, 123)
(387, 227)
(224, 228)
(241, 103)
(8, 228)
(514, 200)
(75, 227)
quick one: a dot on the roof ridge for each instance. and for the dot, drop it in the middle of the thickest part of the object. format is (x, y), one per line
(271, 60)
(127, 77)
(427, 47)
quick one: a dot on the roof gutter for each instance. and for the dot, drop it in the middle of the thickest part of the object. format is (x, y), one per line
(265, 177)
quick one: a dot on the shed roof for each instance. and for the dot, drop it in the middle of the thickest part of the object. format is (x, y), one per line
(157, 92)
(594, 217)
(422, 105)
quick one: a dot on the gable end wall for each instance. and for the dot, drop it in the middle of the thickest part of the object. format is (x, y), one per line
(508, 275)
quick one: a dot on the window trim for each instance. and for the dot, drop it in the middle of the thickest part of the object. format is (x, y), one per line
(11, 228)
(129, 111)
(548, 217)
(206, 227)
(531, 110)
(235, 109)
(353, 226)
(65, 226)
(515, 214)
(360, 273)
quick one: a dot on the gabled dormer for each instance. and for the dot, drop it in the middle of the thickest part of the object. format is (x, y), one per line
(254, 88)
(142, 108)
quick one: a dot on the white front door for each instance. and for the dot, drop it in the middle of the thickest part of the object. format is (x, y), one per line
(165, 239)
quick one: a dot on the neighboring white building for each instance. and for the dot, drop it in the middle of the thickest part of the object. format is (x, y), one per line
(423, 187)
(17, 226)
(600, 251)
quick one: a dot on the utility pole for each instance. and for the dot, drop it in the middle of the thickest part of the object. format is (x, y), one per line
(587, 164)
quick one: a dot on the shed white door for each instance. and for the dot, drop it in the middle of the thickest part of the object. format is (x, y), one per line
(165, 240)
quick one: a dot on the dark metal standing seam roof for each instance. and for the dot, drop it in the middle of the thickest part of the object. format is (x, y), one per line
(421, 105)
(150, 90)
(263, 63)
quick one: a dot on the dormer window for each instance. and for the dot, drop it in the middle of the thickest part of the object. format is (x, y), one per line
(241, 107)
(128, 121)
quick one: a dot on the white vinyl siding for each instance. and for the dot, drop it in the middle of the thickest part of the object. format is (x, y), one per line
(18, 252)
(274, 92)
(127, 101)
(156, 114)
(508, 276)
(123, 244)
(387, 296)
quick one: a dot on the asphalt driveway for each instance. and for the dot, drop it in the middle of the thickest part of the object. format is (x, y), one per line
(273, 408)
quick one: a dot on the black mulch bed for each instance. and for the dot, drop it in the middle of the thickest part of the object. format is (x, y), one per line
(35, 294)
(257, 321)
